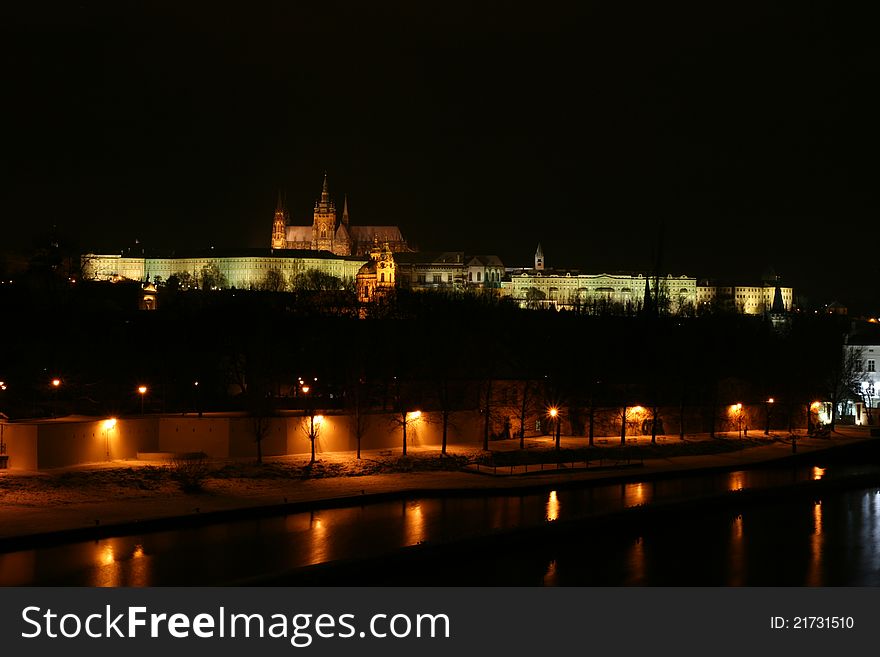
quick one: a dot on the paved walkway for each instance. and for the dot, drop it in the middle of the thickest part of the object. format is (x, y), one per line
(223, 495)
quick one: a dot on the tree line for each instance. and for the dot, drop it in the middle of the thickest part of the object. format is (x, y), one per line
(444, 352)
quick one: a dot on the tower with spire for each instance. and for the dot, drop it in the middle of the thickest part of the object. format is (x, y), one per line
(539, 258)
(324, 223)
(279, 225)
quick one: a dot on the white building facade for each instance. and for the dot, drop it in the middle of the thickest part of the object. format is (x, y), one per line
(566, 289)
(243, 271)
(746, 299)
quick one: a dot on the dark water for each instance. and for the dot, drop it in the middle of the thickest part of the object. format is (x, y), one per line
(829, 540)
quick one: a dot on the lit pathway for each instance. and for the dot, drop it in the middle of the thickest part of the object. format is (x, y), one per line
(224, 495)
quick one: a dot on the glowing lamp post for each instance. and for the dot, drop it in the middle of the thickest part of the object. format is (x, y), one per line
(108, 425)
(56, 383)
(770, 403)
(554, 414)
(142, 391)
(738, 409)
(408, 418)
(315, 421)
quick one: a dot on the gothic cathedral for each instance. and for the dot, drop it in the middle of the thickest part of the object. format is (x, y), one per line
(331, 233)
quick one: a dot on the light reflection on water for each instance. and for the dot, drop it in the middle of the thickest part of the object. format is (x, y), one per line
(737, 481)
(636, 560)
(552, 506)
(814, 573)
(737, 554)
(235, 551)
(637, 493)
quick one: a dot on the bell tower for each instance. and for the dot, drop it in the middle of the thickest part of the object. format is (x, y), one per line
(324, 223)
(539, 258)
(279, 225)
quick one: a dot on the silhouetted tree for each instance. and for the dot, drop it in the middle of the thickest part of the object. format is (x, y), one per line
(211, 278)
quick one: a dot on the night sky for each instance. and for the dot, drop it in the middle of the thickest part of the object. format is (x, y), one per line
(748, 129)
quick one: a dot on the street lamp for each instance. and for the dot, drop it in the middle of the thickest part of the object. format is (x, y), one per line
(108, 425)
(142, 391)
(554, 413)
(56, 383)
(770, 403)
(739, 418)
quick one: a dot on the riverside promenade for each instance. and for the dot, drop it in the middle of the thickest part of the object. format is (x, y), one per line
(76, 502)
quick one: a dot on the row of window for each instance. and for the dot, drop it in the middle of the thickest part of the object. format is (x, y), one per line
(492, 276)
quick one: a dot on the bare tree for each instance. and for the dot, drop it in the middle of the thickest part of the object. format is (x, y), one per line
(404, 406)
(534, 298)
(311, 427)
(867, 393)
(528, 405)
(486, 409)
(273, 281)
(844, 380)
(260, 407)
(357, 402)
(211, 277)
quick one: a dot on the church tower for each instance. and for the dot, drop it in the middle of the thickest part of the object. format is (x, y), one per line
(345, 211)
(539, 258)
(386, 268)
(279, 225)
(324, 222)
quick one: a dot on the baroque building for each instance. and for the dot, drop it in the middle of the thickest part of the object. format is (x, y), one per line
(376, 277)
(543, 287)
(448, 270)
(332, 233)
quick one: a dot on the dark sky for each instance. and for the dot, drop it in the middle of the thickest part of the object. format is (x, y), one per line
(748, 129)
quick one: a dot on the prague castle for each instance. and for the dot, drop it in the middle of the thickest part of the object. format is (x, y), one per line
(375, 259)
(331, 233)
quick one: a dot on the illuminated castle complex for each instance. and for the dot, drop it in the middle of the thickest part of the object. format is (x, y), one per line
(331, 233)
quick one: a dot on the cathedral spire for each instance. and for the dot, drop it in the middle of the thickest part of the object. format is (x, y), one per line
(279, 224)
(325, 191)
(345, 210)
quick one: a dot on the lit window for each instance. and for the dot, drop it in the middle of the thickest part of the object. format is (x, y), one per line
(870, 365)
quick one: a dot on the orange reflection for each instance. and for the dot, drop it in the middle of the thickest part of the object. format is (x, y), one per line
(317, 539)
(552, 506)
(106, 555)
(415, 523)
(736, 481)
(138, 568)
(818, 473)
(107, 570)
(550, 575)
(636, 561)
(814, 574)
(736, 553)
(637, 493)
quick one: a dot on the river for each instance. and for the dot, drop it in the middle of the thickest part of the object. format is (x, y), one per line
(832, 539)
